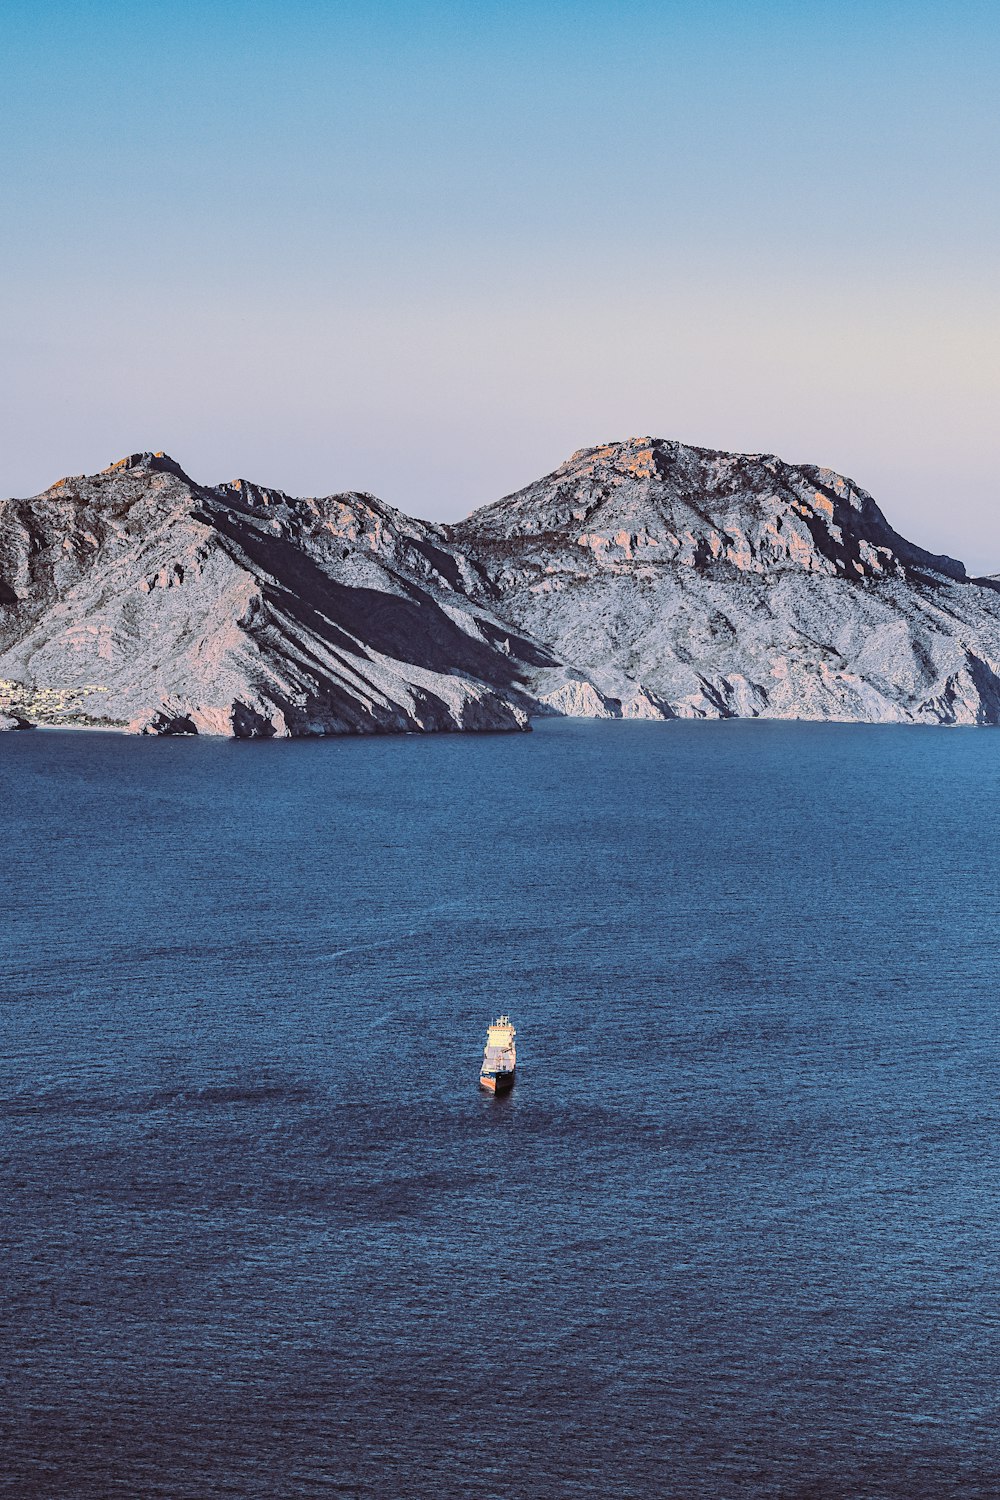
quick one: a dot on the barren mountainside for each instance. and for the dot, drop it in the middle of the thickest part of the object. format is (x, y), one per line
(643, 578)
(683, 581)
(139, 598)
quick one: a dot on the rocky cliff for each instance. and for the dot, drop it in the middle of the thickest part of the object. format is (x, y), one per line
(684, 582)
(142, 599)
(642, 578)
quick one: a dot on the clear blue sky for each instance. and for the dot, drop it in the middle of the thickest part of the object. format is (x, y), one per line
(429, 249)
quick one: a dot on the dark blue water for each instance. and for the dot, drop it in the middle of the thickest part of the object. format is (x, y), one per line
(736, 1232)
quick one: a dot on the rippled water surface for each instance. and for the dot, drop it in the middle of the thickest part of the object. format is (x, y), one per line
(735, 1233)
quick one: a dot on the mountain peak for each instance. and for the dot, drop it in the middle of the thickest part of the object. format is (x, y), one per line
(160, 463)
(633, 455)
(748, 512)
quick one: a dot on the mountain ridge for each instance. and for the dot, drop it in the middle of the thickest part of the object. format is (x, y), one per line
(644, 578)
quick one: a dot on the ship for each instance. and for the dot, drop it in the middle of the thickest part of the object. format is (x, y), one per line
(499, 1057)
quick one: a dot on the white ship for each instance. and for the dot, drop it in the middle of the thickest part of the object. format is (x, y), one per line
(499, 1057)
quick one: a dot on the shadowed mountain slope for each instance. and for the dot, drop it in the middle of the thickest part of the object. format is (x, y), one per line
(140, 598)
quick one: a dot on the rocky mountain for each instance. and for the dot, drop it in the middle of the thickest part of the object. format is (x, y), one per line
(683, 582)
(139, 598)
(640, 579)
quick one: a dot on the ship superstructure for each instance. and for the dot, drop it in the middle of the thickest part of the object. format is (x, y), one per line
(499, 1057)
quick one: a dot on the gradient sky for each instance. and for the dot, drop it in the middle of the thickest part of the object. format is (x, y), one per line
(429, 249)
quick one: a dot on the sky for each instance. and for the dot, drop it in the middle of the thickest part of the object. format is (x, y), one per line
(429, 249)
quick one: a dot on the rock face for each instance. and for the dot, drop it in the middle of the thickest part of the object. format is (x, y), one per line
(684, 582)
(642, 579)
(139, 598)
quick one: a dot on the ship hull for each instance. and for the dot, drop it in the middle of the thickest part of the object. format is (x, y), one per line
(497, 1083)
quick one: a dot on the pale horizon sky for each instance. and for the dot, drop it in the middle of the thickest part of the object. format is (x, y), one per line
(428, 250)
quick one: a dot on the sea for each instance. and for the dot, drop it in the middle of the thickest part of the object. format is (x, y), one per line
(736, 1231)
